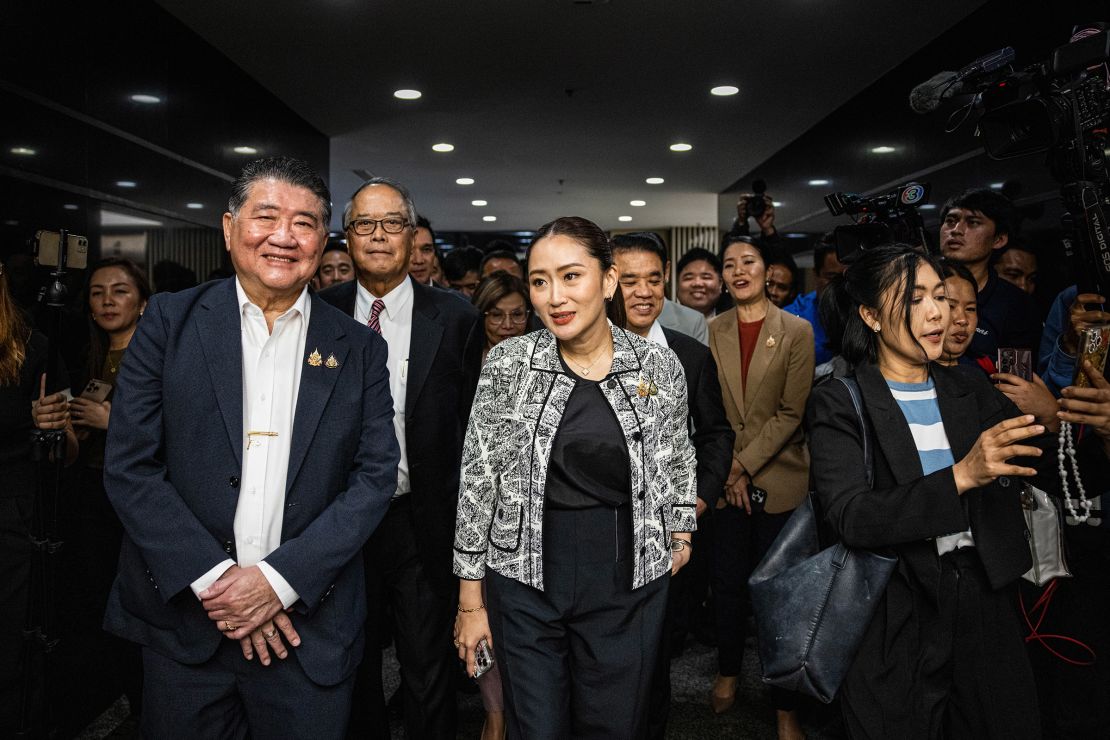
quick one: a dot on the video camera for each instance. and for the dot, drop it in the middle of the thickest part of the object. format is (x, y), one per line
(880, 219)
(1061, 106)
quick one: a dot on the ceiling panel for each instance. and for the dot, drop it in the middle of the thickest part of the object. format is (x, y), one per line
(557, 107)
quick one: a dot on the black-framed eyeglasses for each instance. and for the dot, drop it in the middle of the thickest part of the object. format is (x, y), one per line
(367, 226)
(516, 318)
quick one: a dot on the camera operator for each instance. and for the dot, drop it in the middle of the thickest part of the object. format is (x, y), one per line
(765, 221)
(974, 225)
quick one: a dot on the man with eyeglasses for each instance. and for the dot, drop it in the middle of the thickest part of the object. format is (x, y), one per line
(430, 334)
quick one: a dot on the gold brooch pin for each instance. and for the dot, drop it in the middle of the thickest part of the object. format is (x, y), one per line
(646, 388)
(314, 359)
(331, 362)
(770, 342)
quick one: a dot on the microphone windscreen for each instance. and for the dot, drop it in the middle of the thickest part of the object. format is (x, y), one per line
(925, 98)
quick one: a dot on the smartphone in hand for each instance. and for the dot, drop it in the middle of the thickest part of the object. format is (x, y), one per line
(483, 658)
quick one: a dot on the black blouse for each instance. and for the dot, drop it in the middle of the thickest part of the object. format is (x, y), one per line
(589, 457)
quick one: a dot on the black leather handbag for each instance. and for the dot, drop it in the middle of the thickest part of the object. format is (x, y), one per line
(812, 606)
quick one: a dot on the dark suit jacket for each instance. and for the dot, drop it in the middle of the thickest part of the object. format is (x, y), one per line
(712, 434)
(172, 467)
(441, 383)
(904, 508)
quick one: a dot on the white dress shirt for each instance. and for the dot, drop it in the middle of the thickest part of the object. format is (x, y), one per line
(396, 323)
(271, 381)
(655, 334)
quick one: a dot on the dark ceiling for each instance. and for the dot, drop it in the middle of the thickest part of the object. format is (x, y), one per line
(838, 148)
(556, 106)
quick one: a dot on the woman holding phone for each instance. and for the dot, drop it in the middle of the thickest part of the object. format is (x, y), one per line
(577, 501)
(116, 295)
(943, 656)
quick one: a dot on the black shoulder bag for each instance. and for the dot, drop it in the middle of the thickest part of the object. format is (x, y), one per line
(812, 606)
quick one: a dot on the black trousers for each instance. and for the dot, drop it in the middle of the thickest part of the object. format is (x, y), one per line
(943, 658)
(740, 540)
(577, 658)
(232, 697)
(419, 610)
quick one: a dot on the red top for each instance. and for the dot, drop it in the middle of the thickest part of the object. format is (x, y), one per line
(749, 333)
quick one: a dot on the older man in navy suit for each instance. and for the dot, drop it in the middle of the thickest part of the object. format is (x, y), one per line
(250, 455)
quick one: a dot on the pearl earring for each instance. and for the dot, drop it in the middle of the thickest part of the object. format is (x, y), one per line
(877, 328)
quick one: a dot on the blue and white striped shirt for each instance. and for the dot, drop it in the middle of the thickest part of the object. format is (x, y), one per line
(918, 402)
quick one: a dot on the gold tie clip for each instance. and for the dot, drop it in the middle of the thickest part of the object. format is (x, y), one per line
(252, 435)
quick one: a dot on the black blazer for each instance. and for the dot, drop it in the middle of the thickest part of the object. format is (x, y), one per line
(712, 434)
(905, 508)
(441, 383)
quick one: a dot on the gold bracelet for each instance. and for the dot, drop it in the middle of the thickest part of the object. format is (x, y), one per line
(475, 609)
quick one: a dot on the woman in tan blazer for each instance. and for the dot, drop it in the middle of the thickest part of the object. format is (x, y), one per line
(765, 360)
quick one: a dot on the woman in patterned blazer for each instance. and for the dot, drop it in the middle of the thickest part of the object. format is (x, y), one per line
(577, 500)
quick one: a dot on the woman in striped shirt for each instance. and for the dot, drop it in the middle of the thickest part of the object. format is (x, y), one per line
(943, 655)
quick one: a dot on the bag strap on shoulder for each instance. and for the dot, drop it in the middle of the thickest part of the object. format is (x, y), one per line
(864, 428)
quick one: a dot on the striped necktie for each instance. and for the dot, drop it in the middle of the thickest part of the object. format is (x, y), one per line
(376, 311)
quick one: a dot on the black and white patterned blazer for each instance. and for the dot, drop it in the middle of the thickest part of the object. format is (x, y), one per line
(521, 397)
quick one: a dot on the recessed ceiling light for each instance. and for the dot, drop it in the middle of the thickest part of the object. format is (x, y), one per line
(245, 150)
(928, 207)
(624, 218)
(997, 185)
(194, 206)
(818, 183)
(654, 181)
(11, 222)
(724, 90)
(637, 203)
(465, 181)
(882, 149)
(478, 203)
(681, 147)
(23, 151)
(126, 183)
(776, 203)
(489, 218)
(71, 206)
(443, 147)
(145, 99)
(407, 94)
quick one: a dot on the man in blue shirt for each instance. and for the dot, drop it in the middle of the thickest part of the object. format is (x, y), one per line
(826, 266)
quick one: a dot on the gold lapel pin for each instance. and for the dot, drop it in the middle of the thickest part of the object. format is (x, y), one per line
(314, 359)
(770, 342)
(331, 362)
(646, 388)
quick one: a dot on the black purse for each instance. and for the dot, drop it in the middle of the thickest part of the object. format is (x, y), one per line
(812, 606)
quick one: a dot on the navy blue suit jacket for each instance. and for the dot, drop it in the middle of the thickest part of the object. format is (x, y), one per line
(172, 467)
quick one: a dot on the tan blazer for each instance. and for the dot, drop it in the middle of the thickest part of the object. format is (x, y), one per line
(767, 414)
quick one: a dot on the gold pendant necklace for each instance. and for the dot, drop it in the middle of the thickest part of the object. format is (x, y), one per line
(586, 368)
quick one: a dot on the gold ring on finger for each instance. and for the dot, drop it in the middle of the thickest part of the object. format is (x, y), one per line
(269, 635)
